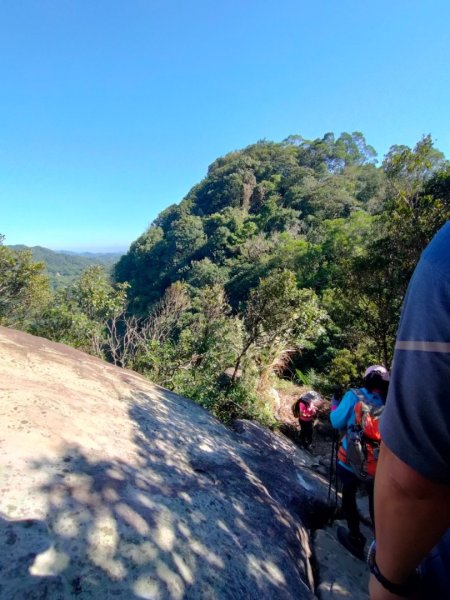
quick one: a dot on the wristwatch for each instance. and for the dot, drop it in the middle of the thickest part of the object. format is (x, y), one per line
(405, 590)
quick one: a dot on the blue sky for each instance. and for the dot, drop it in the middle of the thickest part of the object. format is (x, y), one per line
(110, 111)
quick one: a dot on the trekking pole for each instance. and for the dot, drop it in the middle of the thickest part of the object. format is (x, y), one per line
(330, 478)
(333, 478)
(336, 478)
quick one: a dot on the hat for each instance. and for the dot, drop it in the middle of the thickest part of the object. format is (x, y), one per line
(378, 370)
(311, 396)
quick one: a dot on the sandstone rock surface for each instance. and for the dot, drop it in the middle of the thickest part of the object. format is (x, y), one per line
(112, 487)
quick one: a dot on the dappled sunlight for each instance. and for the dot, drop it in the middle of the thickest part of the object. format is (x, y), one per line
(103, 534)
(179, 518)
(49, 563)
(206, 446)
(212, 558)
(66, 524)
(184, 570)
(164, 536)
(140, 553)
(266, 569)
(302, 481)
(173, 581)
(147, 588)
(132, 518)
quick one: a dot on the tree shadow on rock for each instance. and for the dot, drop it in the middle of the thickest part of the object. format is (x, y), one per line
(288, 472)
(217, 496)
(22, 574)
(181, 516)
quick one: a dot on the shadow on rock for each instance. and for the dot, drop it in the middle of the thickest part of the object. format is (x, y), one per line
(23, 543)
(192, 513)
(289, 473)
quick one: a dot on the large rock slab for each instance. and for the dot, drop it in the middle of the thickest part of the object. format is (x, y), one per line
(112, 487)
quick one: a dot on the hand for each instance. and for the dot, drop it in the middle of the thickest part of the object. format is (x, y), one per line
(378, 592)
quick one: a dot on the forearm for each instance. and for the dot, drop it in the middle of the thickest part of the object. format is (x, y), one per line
(411, 514)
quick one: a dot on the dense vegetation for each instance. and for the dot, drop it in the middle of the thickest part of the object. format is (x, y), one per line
(289, 257)
(64, 268)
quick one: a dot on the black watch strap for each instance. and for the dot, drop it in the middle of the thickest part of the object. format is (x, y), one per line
(405, 590)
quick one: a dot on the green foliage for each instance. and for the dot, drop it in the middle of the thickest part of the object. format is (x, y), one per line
(409, 169)
(308, 378)
(204, 272)
(64, 322)
(194, 360)
(277, 310)
(78, 315)
(94, 295)
(347, 367)
(279, 318)
(24, 287)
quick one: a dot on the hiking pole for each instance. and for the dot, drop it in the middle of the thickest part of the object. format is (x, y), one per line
(330, 478)
(333, 478)
(336, 478)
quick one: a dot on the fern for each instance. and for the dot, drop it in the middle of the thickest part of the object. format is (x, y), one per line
(309, 378)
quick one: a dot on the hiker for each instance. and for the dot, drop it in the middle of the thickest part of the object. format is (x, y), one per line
(358, 415)
(305, 410)
(412, 489)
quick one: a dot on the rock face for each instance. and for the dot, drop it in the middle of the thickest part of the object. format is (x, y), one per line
(341, 575)
(112, 487)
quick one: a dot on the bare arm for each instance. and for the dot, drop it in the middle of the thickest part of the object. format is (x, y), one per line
(411, 514)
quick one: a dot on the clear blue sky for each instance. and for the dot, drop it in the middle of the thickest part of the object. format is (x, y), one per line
(110, 111)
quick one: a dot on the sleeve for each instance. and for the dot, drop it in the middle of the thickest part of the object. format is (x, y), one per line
(341, 415)
(415, 424)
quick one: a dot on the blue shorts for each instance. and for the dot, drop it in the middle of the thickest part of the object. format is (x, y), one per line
(435, 571)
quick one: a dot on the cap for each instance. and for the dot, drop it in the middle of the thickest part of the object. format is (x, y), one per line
(311, 396)
(379, 370)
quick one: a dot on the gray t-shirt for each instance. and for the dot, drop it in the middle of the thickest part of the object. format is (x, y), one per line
(415, 424)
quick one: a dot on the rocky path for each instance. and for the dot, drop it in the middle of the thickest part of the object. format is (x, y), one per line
(338, 574)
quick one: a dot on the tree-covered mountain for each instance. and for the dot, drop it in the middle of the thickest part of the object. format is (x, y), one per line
(243, 218)
(63, 268)
(346, 227)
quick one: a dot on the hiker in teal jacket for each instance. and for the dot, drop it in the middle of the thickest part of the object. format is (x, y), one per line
(376, 380)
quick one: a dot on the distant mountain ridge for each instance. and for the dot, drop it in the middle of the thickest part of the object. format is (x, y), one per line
(88, 254)
(65, 266)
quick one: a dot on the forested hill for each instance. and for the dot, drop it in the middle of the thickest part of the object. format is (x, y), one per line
(256, 209)
(64, 268)
(320, 225)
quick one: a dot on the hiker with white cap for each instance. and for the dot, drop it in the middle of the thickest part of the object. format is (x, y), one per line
(358, 415)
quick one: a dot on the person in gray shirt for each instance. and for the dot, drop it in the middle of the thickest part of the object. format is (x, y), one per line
(412, 484)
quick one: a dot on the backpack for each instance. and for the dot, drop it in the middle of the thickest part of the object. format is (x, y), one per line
(307, 411)
(363, 438)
